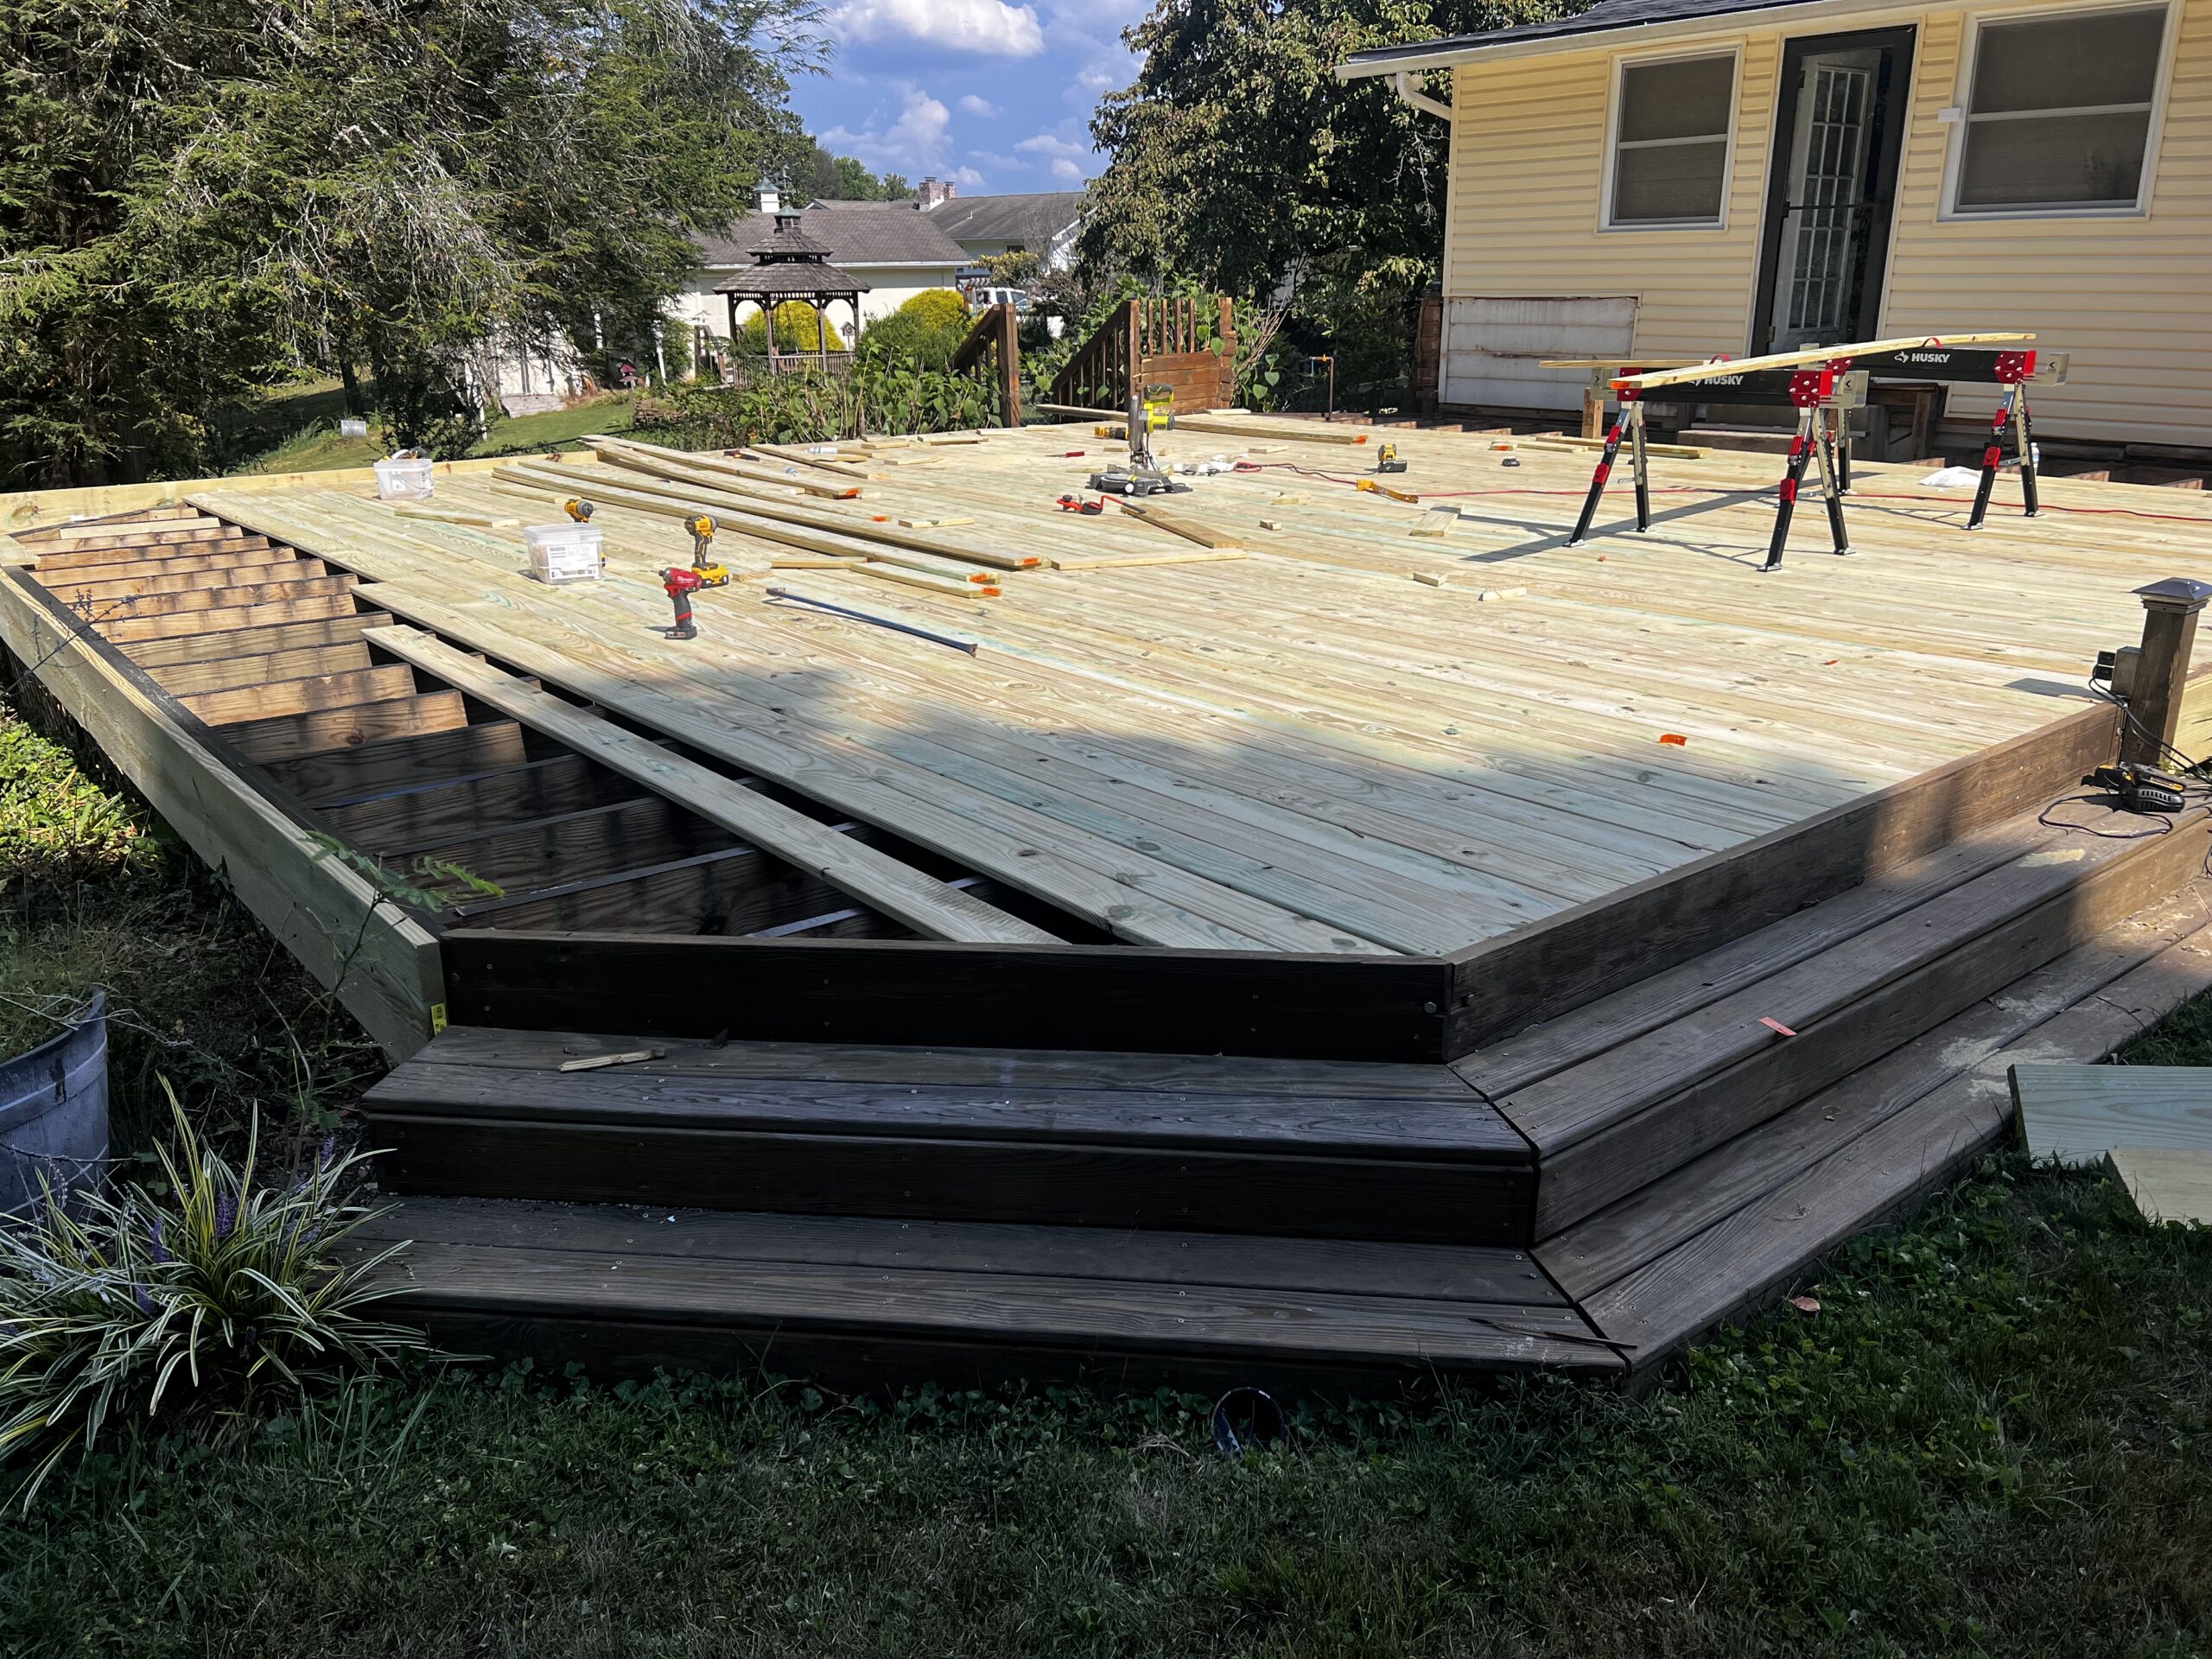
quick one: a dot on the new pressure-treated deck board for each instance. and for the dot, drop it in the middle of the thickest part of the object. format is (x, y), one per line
(1332, 634)
(2077, 1114)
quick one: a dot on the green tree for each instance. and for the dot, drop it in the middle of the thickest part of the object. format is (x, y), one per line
(197, 199)
(816, 176)
(1239, 160)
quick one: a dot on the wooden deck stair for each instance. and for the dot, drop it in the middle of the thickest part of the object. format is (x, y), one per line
(1661, 1156)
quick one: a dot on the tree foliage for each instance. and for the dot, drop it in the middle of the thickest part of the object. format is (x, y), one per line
(816, 176)
(198, 196)
(1239, 160)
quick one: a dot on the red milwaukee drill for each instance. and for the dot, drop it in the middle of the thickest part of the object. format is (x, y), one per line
(682, 583)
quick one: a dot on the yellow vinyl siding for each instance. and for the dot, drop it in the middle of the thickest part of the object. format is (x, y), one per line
(1528, 164)
(2130, 298)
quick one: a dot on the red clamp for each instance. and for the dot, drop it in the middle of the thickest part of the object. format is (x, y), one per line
(1077, 503)
(1810, 388)
(2013, 367)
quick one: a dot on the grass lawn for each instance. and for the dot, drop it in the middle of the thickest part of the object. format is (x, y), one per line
(300, 425)
(1992, 1438)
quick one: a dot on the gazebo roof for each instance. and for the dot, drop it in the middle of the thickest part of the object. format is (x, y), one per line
(795, 280)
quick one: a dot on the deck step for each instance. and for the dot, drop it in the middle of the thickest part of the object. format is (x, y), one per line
(1733, 1228)
(1318, 1149)
(1611, 1101)
(877, 1303)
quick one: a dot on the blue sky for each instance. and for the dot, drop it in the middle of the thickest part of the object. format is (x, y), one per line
(995, 97)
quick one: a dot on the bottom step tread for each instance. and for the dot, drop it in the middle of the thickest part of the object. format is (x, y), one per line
(897, 1301)
(1729, 1230)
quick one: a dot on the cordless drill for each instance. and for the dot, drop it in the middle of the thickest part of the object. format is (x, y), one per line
(710, 574)
(681, 581)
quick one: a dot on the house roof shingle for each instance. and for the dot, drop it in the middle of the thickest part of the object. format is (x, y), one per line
(1032, 220)
(853, 232)
(1607, 15)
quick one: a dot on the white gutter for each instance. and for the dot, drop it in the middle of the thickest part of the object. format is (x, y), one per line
(1726, 22)
(1408, 83)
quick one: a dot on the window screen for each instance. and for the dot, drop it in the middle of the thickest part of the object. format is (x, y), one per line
(1670, 142)
(2060, 115)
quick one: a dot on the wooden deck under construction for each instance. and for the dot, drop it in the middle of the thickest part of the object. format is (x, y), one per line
(1312, 933)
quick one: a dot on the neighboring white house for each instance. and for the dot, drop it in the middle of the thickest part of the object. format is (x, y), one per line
(891, 245)
(1044, 224)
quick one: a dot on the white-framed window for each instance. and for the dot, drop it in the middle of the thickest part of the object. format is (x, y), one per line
(1674, 125)
(2061, 112)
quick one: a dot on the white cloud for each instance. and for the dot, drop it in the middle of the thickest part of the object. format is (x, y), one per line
(1048, 144)
(991, 27)
(915, 142)
(1065, 168)
(979, 106)
(967, 178)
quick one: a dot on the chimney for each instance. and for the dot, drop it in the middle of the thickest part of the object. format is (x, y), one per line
(770, 199)
(935, 193)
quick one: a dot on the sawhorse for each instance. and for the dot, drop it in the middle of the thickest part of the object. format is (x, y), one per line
(2011, 370)
(1821, 394)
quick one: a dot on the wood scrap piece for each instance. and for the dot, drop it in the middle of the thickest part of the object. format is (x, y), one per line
(691, 468)
(600, 1062)
(1270, 523)
(2166, 1184)
(1116, 561)
(1489, 594)
(2077, 1114)
(1317, 433)
(452, 516)
(1189, 530)
(933, 523)
(946, 585)
(1430, 578)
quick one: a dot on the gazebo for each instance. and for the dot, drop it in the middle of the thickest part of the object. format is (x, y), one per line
(791, 265)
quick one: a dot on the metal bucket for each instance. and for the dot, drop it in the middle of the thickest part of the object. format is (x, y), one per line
(54, 1114)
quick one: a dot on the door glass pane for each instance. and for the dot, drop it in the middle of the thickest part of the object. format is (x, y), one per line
(1686, 99)
(2054, 161)
(1670, 181)
(1826, 219)
(2078, 61)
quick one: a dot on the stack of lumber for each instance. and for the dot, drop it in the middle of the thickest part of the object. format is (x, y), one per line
(775, 503)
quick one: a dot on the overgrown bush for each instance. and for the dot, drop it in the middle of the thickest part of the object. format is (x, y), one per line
(923, 334)
(180, 1298)
(814, 407)
(799, 328)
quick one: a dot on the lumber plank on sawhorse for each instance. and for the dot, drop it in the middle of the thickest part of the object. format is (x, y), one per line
(921, 902)
(2077, 1114)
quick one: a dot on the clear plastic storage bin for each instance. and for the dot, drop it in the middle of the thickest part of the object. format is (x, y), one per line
(403, 480)
(561, 553)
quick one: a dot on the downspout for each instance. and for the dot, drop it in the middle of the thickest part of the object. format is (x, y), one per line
(1406, 83)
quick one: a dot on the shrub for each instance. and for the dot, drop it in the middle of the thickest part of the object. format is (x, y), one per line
(799, 328)
(812, 408)
(183, 1300)
(922, 333)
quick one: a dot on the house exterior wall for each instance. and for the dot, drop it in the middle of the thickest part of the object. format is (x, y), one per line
(2129, 297)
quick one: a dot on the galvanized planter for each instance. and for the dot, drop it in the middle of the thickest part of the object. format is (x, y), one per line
(54, 1114)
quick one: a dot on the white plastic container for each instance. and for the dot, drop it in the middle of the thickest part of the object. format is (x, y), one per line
(403, 480)
(561, 553)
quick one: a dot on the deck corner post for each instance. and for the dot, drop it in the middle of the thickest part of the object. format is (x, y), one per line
(2169, 613)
